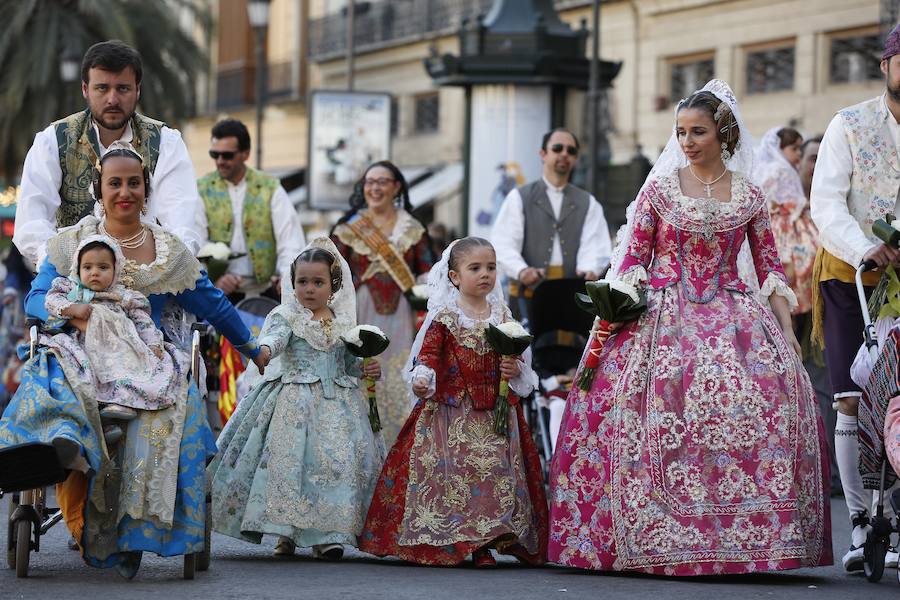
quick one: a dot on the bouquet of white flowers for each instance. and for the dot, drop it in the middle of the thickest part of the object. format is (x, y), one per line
(417, 296)
(611, 302)
(507, 339)
(215, 255)
(366, 341)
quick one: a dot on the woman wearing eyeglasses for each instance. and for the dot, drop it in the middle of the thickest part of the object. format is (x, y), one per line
(387, 250)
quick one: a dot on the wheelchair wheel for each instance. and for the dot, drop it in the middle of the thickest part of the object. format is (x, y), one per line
(11, 533)
(23, 547)
(190, 565)
(874, 552)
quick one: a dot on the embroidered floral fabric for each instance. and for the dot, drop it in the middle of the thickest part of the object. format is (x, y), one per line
(450, 484)
(298, 458)
(698, 449)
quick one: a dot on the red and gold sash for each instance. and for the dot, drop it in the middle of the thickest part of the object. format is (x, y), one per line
(383, 251)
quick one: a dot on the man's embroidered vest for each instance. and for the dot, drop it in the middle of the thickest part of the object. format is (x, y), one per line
(259, 234)
(79, 150)
(875, 181)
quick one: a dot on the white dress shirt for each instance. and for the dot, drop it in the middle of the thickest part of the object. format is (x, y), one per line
(839, 232)
(289, 239)
(174, 200)
(508, 235)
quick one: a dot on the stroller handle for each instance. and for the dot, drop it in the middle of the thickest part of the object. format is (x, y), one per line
(871, 339)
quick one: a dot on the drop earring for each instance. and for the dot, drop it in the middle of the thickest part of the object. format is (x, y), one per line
(725, 153)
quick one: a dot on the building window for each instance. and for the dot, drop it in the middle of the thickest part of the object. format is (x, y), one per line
(855, 59)
(688, 75)
(427, 113)
(770, 70)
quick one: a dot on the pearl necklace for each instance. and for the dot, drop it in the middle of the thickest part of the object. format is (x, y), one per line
(135, 241)
(707, 184)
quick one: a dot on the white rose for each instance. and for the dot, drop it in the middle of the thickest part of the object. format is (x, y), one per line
(215, 250)
(513, 329)
(895, 223)
(624, 288)
(419, 291)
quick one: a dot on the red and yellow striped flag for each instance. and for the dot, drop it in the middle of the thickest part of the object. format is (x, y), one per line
(230, 367)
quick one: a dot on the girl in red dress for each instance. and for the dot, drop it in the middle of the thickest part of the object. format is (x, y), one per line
(450, 486)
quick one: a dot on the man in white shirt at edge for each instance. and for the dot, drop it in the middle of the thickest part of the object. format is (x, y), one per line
(58, 168)
(856, 181)
(251, 213)
(550, 229)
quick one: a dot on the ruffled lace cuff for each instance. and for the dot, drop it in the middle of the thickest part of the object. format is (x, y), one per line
(427, 373)
(635, 276)
(775, 284)
(526, 382)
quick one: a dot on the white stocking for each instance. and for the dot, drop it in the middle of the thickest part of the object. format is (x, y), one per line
(846, 450)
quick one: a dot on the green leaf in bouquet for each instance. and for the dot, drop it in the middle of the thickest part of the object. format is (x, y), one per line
(506, 345)
(372, 345)
(599, 291)
(584, 302)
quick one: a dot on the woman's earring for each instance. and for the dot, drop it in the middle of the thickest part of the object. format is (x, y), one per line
(725, 153)
(145, 209)
(101, 210)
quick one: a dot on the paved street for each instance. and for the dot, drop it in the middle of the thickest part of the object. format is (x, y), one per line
(243, 571)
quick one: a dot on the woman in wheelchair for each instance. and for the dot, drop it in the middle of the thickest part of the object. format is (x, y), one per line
(148, 492)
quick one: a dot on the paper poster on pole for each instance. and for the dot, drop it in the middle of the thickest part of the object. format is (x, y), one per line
(347, 132)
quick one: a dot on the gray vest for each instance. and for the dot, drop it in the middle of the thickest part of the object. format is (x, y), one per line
(541, 225)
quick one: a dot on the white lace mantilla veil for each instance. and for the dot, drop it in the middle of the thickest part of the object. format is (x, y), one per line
(770, 162)
(343, 304)
(673, 158)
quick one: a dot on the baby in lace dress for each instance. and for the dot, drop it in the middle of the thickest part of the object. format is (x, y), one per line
(114, 335)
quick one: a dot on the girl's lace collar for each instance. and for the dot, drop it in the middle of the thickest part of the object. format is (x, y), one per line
(322, 335)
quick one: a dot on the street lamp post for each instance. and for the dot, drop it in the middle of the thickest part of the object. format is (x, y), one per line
(258, 13)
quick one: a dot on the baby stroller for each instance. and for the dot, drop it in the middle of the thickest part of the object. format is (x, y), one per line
(26, 470)
(560, 331)
(876, 473)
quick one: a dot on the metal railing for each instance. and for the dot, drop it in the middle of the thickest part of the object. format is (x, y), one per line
(387, 23)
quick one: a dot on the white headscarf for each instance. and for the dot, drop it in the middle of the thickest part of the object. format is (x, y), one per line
(673, 159)
(777, 177)
(442, 294)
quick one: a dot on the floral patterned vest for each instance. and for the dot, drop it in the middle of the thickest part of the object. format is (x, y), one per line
(257, 217)
(79, 150)
(876, 167)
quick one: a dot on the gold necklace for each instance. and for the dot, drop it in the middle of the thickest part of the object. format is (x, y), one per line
(707, 184)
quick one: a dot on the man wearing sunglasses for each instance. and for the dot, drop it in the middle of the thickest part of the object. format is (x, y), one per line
(549, 228)
(56, 178)
(250, 212)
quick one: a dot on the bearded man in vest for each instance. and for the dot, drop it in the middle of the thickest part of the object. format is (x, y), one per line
(549, 228)
(251, 213)
(59, 167)
(856, 181)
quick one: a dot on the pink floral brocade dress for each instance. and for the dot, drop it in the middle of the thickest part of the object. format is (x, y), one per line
(699, 449)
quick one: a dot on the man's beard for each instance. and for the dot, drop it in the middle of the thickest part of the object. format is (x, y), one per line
(111, 122)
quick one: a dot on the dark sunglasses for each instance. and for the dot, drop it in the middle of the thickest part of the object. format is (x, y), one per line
(558, 148)
(215, 154)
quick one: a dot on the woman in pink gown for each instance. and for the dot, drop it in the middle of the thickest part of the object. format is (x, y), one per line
(698, 449)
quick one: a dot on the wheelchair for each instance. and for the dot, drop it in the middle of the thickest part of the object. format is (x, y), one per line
(26, 470)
